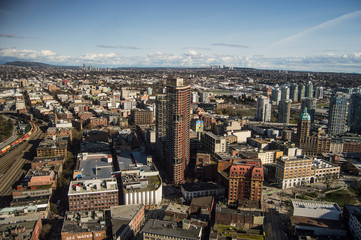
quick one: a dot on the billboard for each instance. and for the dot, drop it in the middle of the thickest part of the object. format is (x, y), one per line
(199, 126)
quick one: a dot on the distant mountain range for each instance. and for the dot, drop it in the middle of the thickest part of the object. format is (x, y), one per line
(35, 65)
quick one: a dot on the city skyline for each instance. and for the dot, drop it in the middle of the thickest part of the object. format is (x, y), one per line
(306, 36)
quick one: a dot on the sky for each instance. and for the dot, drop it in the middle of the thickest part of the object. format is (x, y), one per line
(306, 35)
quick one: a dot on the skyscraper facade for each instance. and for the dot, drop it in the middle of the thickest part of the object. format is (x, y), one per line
(337, 115)
(309, 89)
(319, 92)
(303, 128)
(263, 111)
(310, 104)
(285, 93)
(177, 130)
(355, 113)
(276, 95)
(284, 111)
(294, 92)
(301, 92)
(161, 124)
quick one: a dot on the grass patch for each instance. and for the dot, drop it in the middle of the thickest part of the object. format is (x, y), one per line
(230, 231)
(341, 197)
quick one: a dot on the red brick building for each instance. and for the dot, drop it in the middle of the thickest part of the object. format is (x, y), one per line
(98, 122)
(245, 181)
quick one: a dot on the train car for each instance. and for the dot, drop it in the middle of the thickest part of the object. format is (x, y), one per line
(4, 150)
(18, 141)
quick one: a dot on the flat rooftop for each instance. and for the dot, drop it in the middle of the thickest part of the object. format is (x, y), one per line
(95, 167)
(78, 222)
(134, 159)
(316, 205)
(93, 186)
(170, 229)
(177, 208)
(200, 186)
(126, 212)
(48, 159)
(320, 223)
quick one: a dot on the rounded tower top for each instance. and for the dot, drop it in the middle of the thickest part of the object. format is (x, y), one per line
(304, 116)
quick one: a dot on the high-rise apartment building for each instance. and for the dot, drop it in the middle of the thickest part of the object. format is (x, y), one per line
(337, 113)
(285, 93)
(309, 89)
(276, 95)
(301, 92)
(355, 113)
(319, 92)
(263, 112)
(160, 125)
(177, 128)
(245, 181)
(310, 104)
(294, 92)
(284, 111)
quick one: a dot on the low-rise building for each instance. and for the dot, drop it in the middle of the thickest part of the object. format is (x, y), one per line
(61, 132)
(177, 210)
(89, 225)
(141, 183)
(245, 181)
(293, 171)
(319, 218)
(213, 143)
(352, 216)
(248, 215)
(126, 221)
(52, 147)
(323, 170)
(40, 162)
(201, 210)
(97, 194)
(97, 122)
(269, 156)
(158, 229)
(201, 189)
(26, 226)
(141, 116)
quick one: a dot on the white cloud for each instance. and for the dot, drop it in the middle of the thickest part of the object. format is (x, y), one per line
(350, 62)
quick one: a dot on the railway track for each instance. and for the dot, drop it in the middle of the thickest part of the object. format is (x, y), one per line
(11, 165)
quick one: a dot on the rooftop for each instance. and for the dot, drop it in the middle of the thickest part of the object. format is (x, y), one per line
(95, 166)
(320, 223)
(177, 208)
(127, 212)
(93, 186)
(166, 228)
(316, 205)
(200, 186)
(48, 159)
(76, 222)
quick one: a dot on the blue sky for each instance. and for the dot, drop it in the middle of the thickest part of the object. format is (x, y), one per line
(306, 35)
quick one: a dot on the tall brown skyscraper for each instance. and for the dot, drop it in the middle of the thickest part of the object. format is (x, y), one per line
(303, 128)
(177, 129)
